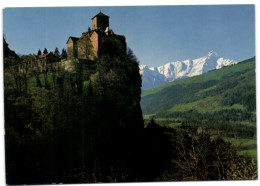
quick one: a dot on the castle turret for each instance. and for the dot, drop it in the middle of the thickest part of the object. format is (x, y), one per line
(100, 21)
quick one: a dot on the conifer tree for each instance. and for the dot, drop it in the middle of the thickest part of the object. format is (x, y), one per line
(63, 54)
(39, 52)
(45, 51)
(57, 53)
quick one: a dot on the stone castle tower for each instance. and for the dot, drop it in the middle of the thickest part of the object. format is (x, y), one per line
(100, 21)
(76, 47)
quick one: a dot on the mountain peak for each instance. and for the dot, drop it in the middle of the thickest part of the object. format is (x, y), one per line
(212, 53)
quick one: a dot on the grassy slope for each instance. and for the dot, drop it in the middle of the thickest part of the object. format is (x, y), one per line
(197, 92)
(212, 75)
(246, 147)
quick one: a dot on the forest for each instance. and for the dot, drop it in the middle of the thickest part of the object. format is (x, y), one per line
(75, 127)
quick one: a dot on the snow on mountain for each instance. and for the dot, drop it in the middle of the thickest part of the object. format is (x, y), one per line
(181, 69)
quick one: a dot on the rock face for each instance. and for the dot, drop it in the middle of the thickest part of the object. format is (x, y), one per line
(181, 69)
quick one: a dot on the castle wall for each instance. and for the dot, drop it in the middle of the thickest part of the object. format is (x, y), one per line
(66, 65)
(81, 48)
(94, 23)
(88, 47)
(41, 66)
(72, 49)
(95, 43)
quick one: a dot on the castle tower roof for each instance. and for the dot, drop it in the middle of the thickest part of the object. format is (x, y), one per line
(100, 14)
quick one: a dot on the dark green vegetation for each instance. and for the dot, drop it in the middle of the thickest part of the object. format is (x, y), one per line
(221, 102)
(58, 122)
(75, 127)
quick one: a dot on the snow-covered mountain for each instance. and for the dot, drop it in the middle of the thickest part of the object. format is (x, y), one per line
(181, 69)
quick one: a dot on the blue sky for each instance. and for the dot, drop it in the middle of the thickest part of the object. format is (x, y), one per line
(156, 34)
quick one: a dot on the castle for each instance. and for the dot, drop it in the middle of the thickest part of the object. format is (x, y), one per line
(76, 47)
(82, 49)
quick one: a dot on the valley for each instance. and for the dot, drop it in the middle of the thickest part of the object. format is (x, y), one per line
(221, 102)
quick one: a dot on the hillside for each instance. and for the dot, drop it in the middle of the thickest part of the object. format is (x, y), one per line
(229, 87)
(221, 102)
(7, 51)
(58, 120)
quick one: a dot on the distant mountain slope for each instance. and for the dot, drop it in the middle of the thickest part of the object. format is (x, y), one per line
(182, 69)
(231, 87)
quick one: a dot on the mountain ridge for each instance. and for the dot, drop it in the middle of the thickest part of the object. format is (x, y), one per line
(173, 71)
